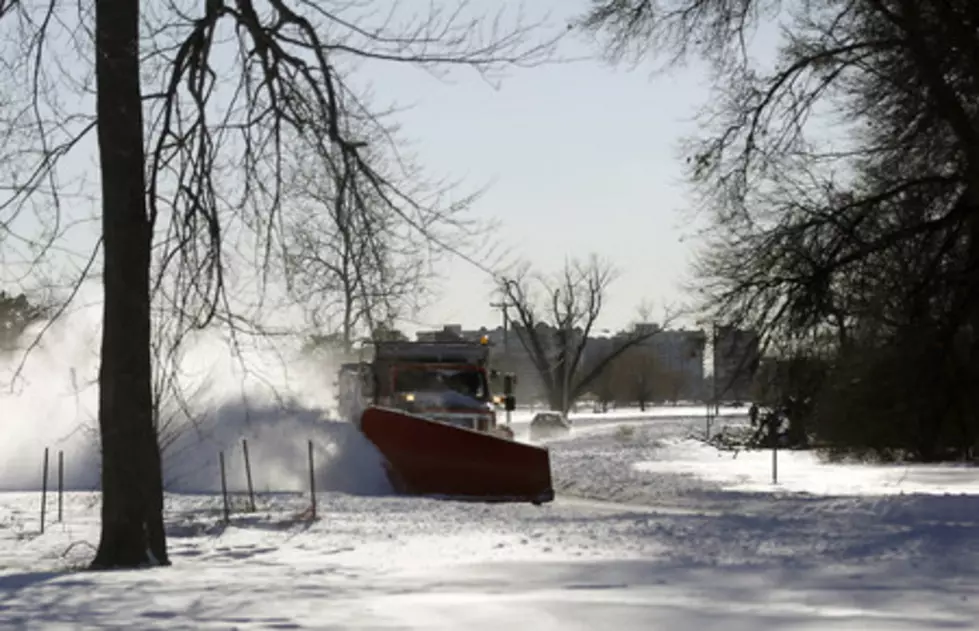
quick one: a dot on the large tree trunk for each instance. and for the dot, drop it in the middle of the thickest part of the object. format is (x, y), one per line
(132, 487)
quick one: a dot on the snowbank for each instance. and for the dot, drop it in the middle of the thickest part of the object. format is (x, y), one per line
(663, 459)
(803, 472)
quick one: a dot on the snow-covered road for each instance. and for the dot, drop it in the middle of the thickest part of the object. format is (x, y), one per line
(651, 530)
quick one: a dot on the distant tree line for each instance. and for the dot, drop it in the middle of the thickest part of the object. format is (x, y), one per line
(639, 377)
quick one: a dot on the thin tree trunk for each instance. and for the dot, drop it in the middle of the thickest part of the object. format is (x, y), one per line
(132, 487)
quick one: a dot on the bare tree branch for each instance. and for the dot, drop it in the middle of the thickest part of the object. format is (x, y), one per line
(556, 317)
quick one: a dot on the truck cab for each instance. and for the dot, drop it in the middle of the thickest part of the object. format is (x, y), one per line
(447, 382)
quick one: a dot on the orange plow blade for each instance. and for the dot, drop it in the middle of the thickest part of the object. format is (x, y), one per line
(426, 457)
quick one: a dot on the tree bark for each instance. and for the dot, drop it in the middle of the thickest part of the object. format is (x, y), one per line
(132, 486)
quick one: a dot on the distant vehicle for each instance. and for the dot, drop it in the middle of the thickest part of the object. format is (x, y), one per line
(549, 425)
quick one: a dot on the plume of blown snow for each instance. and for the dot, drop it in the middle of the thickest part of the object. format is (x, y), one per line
(264, 391)
(278, 438)
(49, 399)
(279, 400)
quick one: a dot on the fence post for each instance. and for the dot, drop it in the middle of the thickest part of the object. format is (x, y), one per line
(775, 463)
(312, 479)
(709, 419)
(44, 488)
(248, 475)
(224, 488)
(61, 483)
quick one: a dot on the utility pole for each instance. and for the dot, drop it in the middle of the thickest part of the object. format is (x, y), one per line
(713, 408)
(717, 405)
(567, 377)
(503, 305)
(508, 378)
(565, 368)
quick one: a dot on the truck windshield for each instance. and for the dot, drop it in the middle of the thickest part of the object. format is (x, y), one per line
(416, 378)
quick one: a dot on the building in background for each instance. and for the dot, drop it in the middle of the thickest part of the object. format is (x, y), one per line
(675, 359)
(680, 353)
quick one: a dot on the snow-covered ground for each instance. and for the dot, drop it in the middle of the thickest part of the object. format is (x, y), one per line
(651, 530)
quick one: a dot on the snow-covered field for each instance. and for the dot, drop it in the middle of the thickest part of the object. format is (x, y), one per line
(651, 530)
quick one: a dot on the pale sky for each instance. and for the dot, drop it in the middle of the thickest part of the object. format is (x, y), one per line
(581, 158)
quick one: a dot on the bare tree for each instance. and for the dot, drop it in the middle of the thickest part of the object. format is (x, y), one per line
(798, 214)
(606, 387)
(176, 393)
(232, 88)
(869, 232)
(555, 318)
(132, 485)
(639, 376)
(355, 262)
(636, 375)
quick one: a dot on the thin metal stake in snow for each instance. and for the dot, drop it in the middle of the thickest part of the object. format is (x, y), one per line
(248, 475)
(61, 483)
(312, 480)
(224, 489)
(775, 463)
(44, 488)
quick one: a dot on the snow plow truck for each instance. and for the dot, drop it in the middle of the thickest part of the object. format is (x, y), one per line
(429, 409)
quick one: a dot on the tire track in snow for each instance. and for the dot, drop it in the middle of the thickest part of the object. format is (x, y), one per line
(591, 504)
